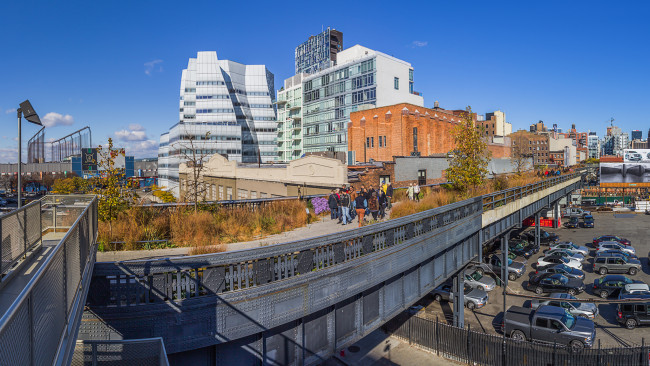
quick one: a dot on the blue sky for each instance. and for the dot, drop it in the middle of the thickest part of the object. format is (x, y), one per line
(115, 65)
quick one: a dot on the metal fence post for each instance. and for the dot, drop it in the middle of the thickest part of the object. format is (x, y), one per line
(598, 357)
(554, 350)
(469, 335)
(409, 329)
(437, 338)
(94, 353)
(54, 217)
(24, 222)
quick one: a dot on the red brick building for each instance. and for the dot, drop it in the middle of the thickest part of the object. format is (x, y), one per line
(407, 130)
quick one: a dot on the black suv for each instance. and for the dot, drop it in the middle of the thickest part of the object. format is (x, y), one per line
(545, 237)
(521, 248)
(574, 222)
(555, 282)
(611, 285)
(632, 314)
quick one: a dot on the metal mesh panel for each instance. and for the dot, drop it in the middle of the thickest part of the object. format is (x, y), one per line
(83, 355)
(120, 353)
(49, 311)
(72, 265)
(12, 246)
(15, 339)
(33, 227)
(47, 213)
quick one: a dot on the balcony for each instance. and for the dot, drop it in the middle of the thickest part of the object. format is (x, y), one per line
(281, 102)
(293, 107)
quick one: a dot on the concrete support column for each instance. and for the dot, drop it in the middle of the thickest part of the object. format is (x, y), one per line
(459, 300)
(556, 213)
(537, 228)
(504, 267)
(480, 246)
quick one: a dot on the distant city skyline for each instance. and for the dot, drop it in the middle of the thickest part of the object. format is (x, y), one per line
(534, 61)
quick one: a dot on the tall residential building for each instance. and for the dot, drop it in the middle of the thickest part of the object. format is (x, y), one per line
(225, 108)
(362, 79)
(290, 119)
(495, 125)
(318, 52)
(615, 142)
(593, 144)
(637, 135)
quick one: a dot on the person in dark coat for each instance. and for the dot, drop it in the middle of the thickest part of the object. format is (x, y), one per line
(360, 204)
(382, 203)
(373, 205)
(333, 204)
(389, 195)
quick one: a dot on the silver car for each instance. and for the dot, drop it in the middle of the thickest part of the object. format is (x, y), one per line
(612, 245)
(566, 253)
(582, 309)
(474, 298)
(477, 279)
(571, 248)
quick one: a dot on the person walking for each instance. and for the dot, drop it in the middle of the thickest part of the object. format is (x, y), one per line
(416, 192)
(345, 208)
(333, 205)
(339, 209)
(389, 195)
(384, 187)
(409, 191)
(382, 203)
(360, 205)
(373, 205)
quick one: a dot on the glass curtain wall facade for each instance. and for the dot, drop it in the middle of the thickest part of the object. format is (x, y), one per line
(225, 108)
(290, 119)
(328, 99)
(318, 52)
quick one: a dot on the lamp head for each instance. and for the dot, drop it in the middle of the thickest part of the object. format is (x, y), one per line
(29, 113)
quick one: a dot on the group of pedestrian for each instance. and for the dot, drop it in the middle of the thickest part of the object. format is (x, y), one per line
(345, 203)
(413, 192)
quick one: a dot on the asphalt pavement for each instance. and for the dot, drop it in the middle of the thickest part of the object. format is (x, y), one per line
(635, 227)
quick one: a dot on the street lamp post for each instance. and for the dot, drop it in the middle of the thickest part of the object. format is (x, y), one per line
(26, 110)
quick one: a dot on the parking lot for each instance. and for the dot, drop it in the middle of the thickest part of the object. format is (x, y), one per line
(635, 227)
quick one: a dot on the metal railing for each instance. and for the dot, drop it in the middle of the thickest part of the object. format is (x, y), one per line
(132, 352)
(502, 198)
(21, 232)
(59, 212)
(41, 325)
(478, 348)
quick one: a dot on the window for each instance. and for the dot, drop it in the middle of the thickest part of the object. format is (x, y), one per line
(396, 82)
(385, 142)
(372, 142)
(422, 177)
(367, 141)
(415, 139)
(540, 322)
(381, 143)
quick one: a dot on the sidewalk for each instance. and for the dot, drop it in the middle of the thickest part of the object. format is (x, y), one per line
(379, 349)
(324, 226)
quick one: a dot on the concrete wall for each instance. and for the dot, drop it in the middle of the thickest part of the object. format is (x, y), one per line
(501, 166)
(406, 168)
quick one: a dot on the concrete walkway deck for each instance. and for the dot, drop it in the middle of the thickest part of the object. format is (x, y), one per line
(324, 226)
(15, 285)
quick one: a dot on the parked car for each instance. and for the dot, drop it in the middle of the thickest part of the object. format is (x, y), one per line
(570, 247)
(634, 288)
(477, 279)
(549, 324)
(611, 238)
(633, 156)
(558, 259)
(612, 245)
(588, 221)
(493, 264)
(521, 248)
(575, 211)
(615, 263)
(562, 269)
(562, 300)
(620, 252)
(474, 298)
(611, 285)
(555, 282)
(630, 315)
(565, 253)
(545, 237)
(512, 256)
(574, 222)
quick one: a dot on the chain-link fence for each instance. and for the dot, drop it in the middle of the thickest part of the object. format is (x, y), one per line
(131, 352)
(20, 231)
(40, 326)
(59, 212)
(479, 348)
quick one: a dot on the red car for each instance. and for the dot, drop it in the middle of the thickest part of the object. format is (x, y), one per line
(611, 238)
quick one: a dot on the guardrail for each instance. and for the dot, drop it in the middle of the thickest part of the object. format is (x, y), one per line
(41, 325)
(21, 232)
(472, 347)
(132, 352)
(502, 198)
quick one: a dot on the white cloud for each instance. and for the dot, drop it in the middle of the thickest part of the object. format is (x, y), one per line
(153, 66)
(53, 119)
(136, 142)
(8, 155)
(419, 44)
(10, 110)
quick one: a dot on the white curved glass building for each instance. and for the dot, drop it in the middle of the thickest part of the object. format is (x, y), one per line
(225, 107)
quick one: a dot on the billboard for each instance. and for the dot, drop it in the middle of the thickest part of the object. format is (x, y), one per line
(636, 155)
(89, 160)
(625, 174)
